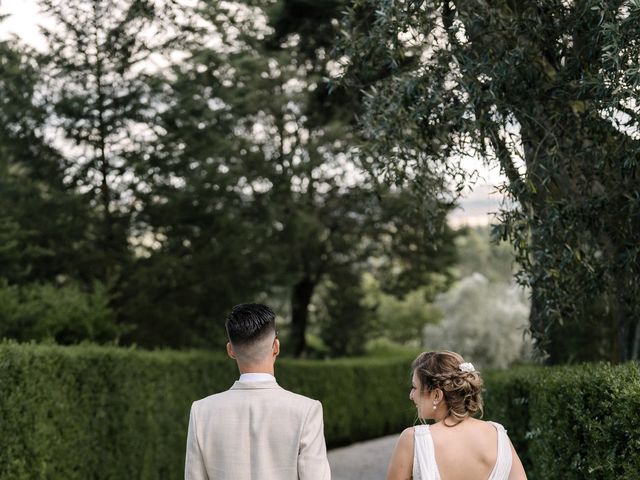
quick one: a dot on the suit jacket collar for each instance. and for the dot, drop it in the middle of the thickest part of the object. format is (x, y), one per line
(255, 385)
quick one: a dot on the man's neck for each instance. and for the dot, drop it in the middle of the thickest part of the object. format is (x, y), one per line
(256, 369)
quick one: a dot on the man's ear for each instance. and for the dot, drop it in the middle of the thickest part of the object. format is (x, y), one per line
(276, 347)
(230, 351)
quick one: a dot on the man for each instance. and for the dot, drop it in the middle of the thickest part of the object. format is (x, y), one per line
(256, 430)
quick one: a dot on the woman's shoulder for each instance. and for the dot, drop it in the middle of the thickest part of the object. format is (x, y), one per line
(407, 435)
(405, 444)
(497, 426)
(406, 439)
(401, 464)
(422, 430)
(492, 426)
(487, 425)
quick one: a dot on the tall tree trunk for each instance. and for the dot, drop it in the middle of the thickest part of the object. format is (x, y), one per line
(300, 300)
(635, 352)
(621, 321)
(626, 317)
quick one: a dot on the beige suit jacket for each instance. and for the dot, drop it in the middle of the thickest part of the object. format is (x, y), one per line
(256, 431)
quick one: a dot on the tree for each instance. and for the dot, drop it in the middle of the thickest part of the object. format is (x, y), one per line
(249, 123)
(478, 252)
(484, 321)
(101, 93)
(545, 89)
(104, 93)
(193, 185)
(343, 317)
(39, 212)
(402, 320)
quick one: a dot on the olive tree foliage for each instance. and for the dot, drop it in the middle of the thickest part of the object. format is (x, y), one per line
(547, 90)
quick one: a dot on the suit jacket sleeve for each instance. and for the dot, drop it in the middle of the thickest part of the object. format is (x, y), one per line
(312, 457)
(194, 468)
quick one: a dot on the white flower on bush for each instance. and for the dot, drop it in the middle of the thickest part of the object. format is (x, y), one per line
(483, 321)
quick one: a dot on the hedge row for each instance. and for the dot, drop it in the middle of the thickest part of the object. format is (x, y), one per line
(571, 422)
(109, 413)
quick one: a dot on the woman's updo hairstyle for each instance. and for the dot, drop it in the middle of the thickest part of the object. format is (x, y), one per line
(461, 387)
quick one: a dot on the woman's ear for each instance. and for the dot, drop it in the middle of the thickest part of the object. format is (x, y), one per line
(438, 395)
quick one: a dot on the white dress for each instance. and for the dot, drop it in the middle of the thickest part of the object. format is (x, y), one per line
(424, 457)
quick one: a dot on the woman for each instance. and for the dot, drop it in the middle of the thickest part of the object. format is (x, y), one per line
(457, 447)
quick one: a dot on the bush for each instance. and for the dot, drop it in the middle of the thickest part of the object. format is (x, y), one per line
(64, 314)
(571, 422)
(95, 412)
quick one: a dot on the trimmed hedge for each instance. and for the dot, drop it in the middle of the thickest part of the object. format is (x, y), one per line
(571, 422)
(110, 413)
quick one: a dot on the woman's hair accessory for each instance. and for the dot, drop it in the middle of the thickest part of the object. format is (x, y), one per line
(467, 367)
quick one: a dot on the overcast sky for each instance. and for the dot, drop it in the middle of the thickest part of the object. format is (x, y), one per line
(23, 20)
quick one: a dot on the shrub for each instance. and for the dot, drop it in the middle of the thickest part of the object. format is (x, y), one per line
(571, 422)
(95, 412)
(64, 314)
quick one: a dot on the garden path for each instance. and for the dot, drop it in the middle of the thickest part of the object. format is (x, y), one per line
(362, 461)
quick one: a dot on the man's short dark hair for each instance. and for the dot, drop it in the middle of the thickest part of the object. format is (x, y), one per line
(249, 322)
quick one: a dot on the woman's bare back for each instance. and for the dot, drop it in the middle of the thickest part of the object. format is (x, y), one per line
(467, 451)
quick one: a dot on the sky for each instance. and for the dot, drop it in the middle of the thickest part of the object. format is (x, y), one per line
(23, 19)
(475, 207)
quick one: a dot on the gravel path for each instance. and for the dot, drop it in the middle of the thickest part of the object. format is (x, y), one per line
(362, 461)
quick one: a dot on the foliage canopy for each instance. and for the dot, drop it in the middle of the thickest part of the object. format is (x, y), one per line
(548, 91)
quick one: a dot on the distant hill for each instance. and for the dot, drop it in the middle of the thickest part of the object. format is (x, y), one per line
(477, 207)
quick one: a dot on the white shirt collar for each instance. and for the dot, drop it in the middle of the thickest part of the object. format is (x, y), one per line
(256, 377)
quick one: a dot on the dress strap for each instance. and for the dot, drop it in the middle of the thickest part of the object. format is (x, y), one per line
(502, 468)
(424, 456)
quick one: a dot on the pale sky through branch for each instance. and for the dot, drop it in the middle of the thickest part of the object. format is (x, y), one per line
(24, 18)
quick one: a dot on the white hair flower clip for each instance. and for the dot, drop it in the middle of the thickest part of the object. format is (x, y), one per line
(467, 367)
